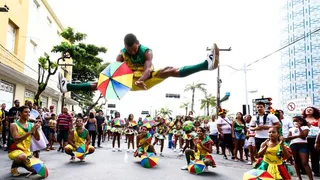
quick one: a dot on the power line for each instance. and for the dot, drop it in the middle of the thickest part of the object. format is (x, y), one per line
(293, 42)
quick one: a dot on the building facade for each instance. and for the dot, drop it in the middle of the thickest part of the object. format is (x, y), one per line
(300, 62)
(31, 29)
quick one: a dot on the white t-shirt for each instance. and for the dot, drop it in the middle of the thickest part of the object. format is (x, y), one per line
(213, 127)
(225, 126)
(271, 119)
(286, 125)
(295, 132)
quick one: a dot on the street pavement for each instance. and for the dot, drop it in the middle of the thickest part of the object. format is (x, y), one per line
(105, 164)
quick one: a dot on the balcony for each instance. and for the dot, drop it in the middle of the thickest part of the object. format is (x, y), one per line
(11, 60)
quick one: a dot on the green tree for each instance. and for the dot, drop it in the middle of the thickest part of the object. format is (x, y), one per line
(165, 111)
(207, 102)
(185, 106)
(87, 64)
(193, 87)
(46, 68)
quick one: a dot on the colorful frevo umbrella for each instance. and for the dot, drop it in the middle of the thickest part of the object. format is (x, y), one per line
(133, 123)
(115, 80)
(149, 160)
(148, 122)
(187, 126)
(196, 167)
(39, 167)
(257, 174)
(118, 122)
(82, 151)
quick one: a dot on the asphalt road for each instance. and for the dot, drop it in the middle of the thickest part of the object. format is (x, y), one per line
(105, 164)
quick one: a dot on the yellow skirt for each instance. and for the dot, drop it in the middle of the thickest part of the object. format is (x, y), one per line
(152, 81)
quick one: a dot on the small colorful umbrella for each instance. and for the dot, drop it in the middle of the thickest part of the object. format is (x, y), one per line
(187, 126)
(118, 122)
(39, 167)
(255, 174)
(196, 167)
(133, 123)
(115, 80)
(82, 151)
(149, 160)
(149, 122)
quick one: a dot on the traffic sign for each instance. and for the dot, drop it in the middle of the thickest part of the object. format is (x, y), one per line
(291, 106)
(296, 106)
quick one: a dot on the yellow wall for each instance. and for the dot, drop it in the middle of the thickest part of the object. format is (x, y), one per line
(18, 15)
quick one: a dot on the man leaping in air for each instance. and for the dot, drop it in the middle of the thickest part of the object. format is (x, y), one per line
(139, 60)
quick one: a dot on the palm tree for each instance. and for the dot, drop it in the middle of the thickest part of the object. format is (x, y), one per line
(192, 87)
(165, 112)
(185, 106)
(207, 102)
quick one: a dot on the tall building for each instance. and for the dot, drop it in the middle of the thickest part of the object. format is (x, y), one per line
(28, 30)
(300, 62)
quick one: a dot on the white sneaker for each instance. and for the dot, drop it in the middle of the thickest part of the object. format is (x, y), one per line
(206, 169)
(113, 150)
(213, 57)
(62, 83)
(180, 153)
(184, 168)
(174, 150)
(128, 150)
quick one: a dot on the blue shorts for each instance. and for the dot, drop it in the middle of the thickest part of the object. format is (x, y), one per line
(239, 136)
(300, 148)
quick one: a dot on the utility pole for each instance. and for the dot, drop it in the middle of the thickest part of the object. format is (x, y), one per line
(219, 81)
(64, 68)
(245, 87)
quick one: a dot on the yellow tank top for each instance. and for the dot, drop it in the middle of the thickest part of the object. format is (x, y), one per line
(80, 139)
(271, 155)
(26, 143)
(201, 153)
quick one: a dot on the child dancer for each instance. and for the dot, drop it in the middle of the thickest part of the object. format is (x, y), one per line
(274, 152)
(202, 150)
(52, 131)
(144, 142)
(116, 132)
(130, 132)
(160, 134)
(178, 133)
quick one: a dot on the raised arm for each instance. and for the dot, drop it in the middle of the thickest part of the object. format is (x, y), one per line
(119, 57)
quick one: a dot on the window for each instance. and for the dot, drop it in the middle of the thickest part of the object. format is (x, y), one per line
(29, 95)
(308, 60)
(44, 101)
(309, 73)
(309, 86)
(11, 37)
(36, 4)
(32, 49)
(306, 22)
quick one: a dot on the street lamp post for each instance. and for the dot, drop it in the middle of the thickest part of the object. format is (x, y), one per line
(245, 82)
(219, 80)
(245, 87)
(64, 68)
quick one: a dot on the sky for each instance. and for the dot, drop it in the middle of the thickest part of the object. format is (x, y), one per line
(178, 32)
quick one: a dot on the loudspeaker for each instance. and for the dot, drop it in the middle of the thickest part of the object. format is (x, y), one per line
(244, 110)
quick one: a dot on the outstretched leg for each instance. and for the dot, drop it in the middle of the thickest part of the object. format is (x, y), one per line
(210, 63)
